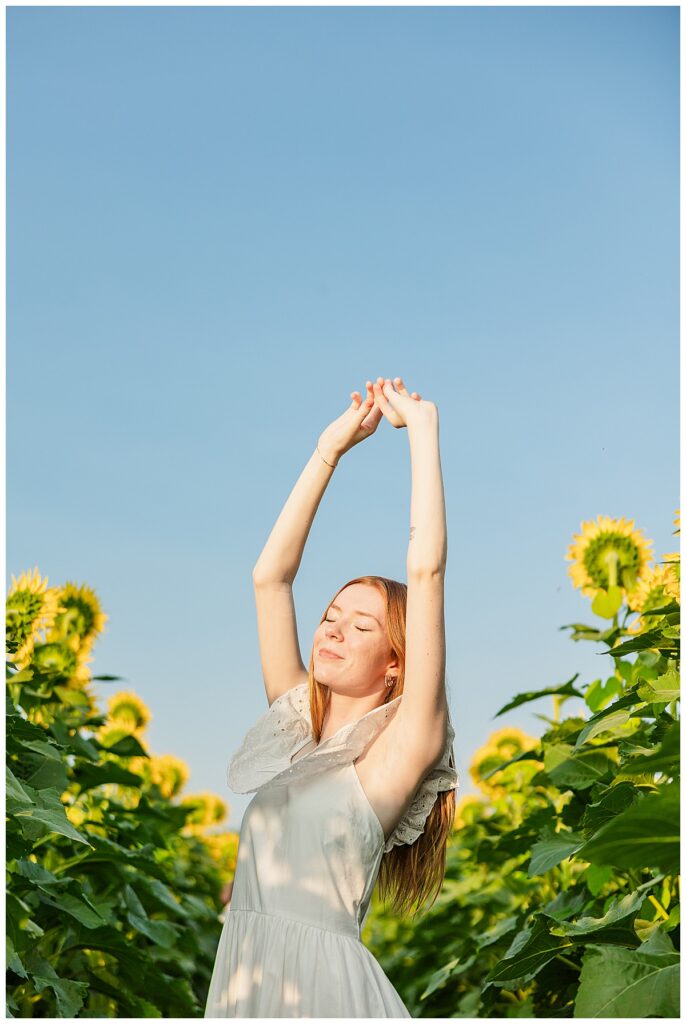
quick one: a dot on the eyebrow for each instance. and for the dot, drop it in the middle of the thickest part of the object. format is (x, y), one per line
(368, 614)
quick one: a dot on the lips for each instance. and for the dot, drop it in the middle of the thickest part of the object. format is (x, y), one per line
(331, 654)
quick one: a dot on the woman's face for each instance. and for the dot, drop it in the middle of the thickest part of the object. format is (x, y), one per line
(354, 629)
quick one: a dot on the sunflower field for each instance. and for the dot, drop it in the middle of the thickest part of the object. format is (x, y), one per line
(562, 888)
(114, 879)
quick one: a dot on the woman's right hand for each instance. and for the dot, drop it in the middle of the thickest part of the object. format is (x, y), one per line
(358, 422)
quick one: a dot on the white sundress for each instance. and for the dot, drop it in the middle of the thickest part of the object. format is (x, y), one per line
(309, 854)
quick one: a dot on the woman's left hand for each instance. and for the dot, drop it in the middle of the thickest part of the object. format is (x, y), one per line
(401, 408)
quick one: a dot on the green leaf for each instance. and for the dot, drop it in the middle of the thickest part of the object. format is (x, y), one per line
(160, 894)
(14, 789)
(576, 770)
(607, 603)
(615, 800)
(627, 906)
(72, 696)
(162, 933)
(47, 769)
(665, 759)
(645, 835)
(665, 688)
(598, 693)
(52, 821)
(439, 977)
(597, 876)
(88, 776)
(526, 755)
(566, 689)
(69, 995)
(74, 743)
(540, 948)
(127, 746)
(613, 723)
(129, 1005)
(551, 849)
(13, 960)
(653, 638)
(618, 982)
(77, 906)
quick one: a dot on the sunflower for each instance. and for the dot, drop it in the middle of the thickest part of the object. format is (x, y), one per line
(30, 610)
(677, 520)
(206, 809)
(608, 552)
(169, 773)
(672, 585)
(658, 587)
(81, 618)
(128, 711)
(501, 746)
(223, 848)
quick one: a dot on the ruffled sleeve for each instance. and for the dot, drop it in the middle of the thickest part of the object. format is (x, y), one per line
(265, 755)
(441, 778)
(269, 744)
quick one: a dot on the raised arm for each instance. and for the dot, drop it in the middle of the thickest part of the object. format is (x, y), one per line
(424, 706)
(279, 561)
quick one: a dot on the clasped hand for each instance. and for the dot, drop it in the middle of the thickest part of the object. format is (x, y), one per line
(360, 420)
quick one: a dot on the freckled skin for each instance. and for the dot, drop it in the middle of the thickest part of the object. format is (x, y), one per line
(358, 681)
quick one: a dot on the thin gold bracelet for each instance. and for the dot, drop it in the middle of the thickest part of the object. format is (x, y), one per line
(328, 463)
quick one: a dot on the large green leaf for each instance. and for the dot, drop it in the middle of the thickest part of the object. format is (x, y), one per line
(43, 765)
(617, 982)
(576, 769)
(539, 948)
(552, 848)
(70, 995)
(50, 820)
(645, 835)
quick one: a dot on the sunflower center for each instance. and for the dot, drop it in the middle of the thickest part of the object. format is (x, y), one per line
(612, 560)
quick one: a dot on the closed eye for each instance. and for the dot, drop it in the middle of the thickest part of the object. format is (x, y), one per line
(356, 627)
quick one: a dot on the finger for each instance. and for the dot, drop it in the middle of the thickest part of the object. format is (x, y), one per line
(373, 419)
(380, 398)
(364, 407)
(398, 381)
(386, 407)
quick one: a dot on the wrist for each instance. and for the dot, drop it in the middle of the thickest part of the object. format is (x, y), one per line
(327, 455)
(427, 424)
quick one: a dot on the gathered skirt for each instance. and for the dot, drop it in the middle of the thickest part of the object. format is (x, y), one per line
(273, 966)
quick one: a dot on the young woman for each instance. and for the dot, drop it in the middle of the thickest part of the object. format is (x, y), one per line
(352, 765)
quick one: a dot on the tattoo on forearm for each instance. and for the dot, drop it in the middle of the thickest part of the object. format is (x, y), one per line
(412, 529)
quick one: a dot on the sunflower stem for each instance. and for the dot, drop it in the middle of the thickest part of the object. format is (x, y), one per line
(611, 561)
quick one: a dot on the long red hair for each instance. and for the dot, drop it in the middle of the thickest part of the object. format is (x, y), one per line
(410, 873)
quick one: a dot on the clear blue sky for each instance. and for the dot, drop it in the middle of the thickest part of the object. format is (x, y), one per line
(223, 220)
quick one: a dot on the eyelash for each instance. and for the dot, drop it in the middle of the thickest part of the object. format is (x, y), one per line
(356, 627)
